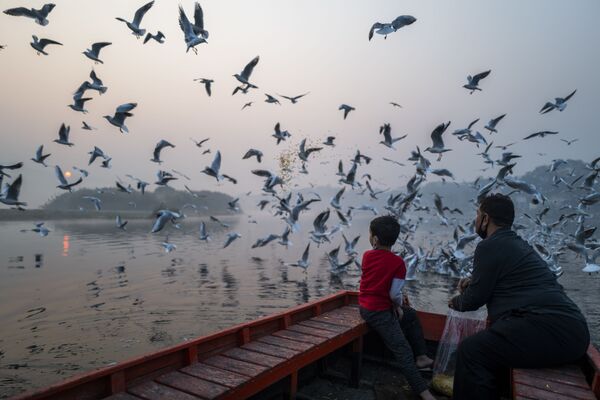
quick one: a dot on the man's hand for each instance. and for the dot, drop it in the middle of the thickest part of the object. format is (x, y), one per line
(451, 302)
(400, 313)
(463, 283)
(405, 301)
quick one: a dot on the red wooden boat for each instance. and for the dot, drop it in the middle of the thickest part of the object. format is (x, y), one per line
(278, 354)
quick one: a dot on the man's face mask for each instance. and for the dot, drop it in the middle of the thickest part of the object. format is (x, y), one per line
(480, 229)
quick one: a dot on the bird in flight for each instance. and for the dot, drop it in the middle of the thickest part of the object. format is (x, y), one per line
(387, 28)
(473, 81)
(134, 25)
(40, 16)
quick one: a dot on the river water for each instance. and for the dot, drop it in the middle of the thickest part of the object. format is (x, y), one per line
(89, 295)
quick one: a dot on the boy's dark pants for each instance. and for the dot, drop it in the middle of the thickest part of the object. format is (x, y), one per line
(517, 341)
(399, 337)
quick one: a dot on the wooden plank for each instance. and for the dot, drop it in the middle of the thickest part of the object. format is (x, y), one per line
(289, 344)
(151, 390)
(312, 331)
(254, 357)
(230, 364)
(299, 337)
(325, 326)
(271, 350)
(553, 376)
(335, 319)
(569, 370)
(192, 385)
(216, 375)
(122, 396)
(554, 387)
(541, 394)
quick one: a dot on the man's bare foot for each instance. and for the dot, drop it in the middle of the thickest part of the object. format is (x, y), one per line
(423, 361)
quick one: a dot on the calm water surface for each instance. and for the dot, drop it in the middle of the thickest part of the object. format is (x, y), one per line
(89, 295)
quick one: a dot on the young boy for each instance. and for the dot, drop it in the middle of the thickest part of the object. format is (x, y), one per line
(381, 303)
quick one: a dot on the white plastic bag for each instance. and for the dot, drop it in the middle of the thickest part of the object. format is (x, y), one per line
(459, 325)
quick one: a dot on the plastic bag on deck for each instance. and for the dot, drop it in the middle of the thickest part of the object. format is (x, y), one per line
(459, 325)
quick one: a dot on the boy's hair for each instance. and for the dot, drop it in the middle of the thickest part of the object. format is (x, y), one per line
(499, 208)
(386, 229)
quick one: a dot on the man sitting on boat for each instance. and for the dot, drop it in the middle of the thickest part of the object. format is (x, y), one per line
(533, 324)
(383, 307)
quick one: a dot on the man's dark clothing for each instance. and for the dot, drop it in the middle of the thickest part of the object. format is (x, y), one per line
(533, 322)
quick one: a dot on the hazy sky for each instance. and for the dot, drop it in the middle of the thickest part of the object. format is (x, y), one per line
(537, 50)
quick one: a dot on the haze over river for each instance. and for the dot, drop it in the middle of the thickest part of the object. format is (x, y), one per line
(89, 295)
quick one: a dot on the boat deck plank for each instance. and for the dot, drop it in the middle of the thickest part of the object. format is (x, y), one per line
(216, 375)
(285, 343)
(193, 385)
(254, 357)
(271, 350)
(122, 396)
(151, 390)
(565, 382)
(312, 331)
(233, 365)
(324, 326)
(299, 337)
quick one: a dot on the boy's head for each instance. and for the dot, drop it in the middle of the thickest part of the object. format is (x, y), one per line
(384, 231)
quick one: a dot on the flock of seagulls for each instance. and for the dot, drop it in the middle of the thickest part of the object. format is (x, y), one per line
(450, 258)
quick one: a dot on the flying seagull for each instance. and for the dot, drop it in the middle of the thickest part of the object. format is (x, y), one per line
(158, 148)
(271, 99)
(97, 152)
(244, 76)
(40, 44)
(79, 103)
(279, 134)
(304, 152)
(191, 37)
(294, 99)
(63, 136)
(473, 81)
(231, 237)
(203, 235)
(93, 53)
(253, 153)
(559, 104)
(387, 28)
(346, 109)
(122, 112)
(87, 127)
(438, 143)
(40, 157)
(569, 142)
(38, 15)
(214, 169)
(491, 126)
(247, 105)
(303, 262)
(134, 25)
(119, 223)
(63, 181)
(207, 84)
(159, 37)
(97, 202)
(540, 134)
(388, 141)
(10, 197)
(96, 84)
(395, 104)
(201, 142)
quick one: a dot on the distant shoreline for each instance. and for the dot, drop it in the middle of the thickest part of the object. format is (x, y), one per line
(48, 215)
